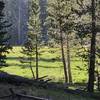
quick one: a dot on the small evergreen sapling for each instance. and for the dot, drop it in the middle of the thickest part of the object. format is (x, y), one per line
(27, 51)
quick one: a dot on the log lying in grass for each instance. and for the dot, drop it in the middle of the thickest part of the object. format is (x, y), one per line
(18, 80)
(41, 78)
(22, 96)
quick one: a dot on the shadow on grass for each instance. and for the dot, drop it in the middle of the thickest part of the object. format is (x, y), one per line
(26, 66)
(33, 59)
(41, 59)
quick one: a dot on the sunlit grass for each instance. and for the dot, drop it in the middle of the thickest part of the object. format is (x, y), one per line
(49, 64)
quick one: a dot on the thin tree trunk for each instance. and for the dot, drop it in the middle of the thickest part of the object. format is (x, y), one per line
(98, 81)
(63, 58)
(92, 51)
(31, 68)
(68, 61)
(37, 73)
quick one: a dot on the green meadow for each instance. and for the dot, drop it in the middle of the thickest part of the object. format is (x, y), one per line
(50, 64)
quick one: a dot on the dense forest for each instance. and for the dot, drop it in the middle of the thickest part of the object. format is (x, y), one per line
(49, 49)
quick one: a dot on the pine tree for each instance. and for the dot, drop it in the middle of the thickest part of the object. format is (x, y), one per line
(88, 26)
(4, 46)
(28, 51)
(33, 35)
(35, 28)
(58, 14)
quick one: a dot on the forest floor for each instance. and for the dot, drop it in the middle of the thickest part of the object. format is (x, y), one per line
(50, 91)
(50, 94)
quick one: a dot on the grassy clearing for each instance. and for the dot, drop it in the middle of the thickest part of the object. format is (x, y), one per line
(49, 64)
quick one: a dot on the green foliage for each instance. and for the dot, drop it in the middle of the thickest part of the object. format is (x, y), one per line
(33, 41)
(27, 51)
(34, 20)
(83, 26)
(34, 29)
(4, 46)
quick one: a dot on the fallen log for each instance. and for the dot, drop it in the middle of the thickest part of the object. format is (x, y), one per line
(22, 96)
(18, 80)
(48, 80)
(29, 97)
(41, 77)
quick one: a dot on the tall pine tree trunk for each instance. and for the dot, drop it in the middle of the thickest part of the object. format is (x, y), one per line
(92, 50)
(31, 67)
(37, 72)
(68, 61)
(63, 57)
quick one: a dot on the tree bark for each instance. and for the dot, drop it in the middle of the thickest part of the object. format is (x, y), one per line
(92, 50)
(98, 81)
(68, 61)
(37, 73)
(31, 68)
(63, 57)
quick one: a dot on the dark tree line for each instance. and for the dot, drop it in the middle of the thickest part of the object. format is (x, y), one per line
(4, 46)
